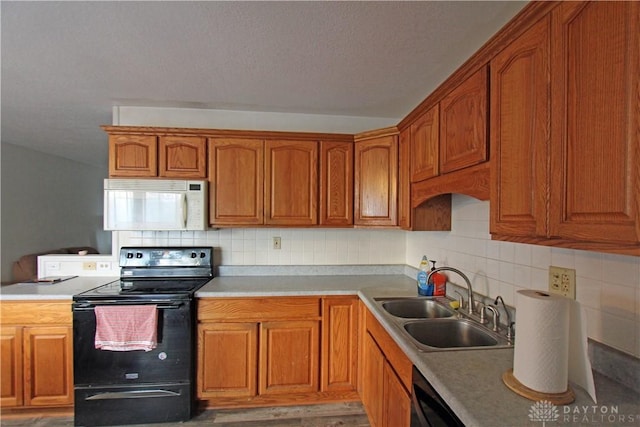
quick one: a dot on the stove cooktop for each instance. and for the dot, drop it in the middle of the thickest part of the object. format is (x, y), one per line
(145, 288)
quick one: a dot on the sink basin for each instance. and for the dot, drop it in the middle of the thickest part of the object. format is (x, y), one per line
(451, 333)
(416, 308)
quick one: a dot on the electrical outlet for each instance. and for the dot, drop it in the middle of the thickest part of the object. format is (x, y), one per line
(89, 265)
(277, 243)
(52, 266)
(104, 266)
(562, 281)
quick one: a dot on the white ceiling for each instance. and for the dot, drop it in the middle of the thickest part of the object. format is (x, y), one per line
(65, 64)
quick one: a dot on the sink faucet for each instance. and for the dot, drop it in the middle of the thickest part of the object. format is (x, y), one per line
(509, 322)
(471, 302)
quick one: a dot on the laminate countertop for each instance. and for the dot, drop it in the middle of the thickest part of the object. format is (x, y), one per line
(52, 291)
(468, 380)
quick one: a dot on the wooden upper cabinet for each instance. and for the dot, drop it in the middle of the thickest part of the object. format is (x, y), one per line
(404, 179)
(133, 156)
(183, 157)
(520, 134)
(595, 172)
(463, 124)
(291, 189)
(141, 155)
(336, 183)
(376, 176)
(424, 137)
(236, 174)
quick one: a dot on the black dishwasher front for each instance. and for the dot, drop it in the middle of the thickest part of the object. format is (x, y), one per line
(427, 408)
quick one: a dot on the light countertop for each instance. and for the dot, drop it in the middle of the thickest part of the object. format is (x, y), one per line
(50, 291)
(468, 380)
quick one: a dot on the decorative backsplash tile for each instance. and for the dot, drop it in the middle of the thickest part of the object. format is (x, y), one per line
(608, 286)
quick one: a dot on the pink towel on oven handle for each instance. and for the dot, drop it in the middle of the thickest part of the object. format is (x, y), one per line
(126, 327)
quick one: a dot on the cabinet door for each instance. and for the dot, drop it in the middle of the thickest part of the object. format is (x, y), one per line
(397, 401)
(373, 381)
(425, 144)
(404, 179)
(227, 360)
(11, 368)
(595, 177)
(183, 157)
(376, 172)
(291, 190)
(463, 124)
(236, 168)
(520, 134)
(133, 156)
(48, 365)
(339, 343)
(289, 354)
(336, 183)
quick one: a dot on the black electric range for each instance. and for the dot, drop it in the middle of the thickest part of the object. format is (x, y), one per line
(134, 387)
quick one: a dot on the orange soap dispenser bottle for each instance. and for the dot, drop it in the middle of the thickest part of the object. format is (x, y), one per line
(439, 282)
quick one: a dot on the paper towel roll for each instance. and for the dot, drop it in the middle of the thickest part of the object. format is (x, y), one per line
(541, 351)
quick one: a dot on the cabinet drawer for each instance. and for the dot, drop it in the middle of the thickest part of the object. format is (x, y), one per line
(258, 309)
(36, 313)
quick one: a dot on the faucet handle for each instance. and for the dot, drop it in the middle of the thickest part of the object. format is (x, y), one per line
(481, 306)
(496, 315)
(460, 299)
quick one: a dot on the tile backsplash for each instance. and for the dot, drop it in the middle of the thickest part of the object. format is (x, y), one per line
(608, 286)
(300, 246)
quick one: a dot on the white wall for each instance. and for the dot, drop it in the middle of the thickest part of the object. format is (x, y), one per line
(47, 203)
(608, 286)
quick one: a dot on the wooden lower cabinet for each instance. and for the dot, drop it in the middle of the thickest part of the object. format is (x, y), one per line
(270, 351)
(289, 355)
(227, 359)
(373, 381)
(11, 367)
(386, 377)
(339, 345)
(37, 360)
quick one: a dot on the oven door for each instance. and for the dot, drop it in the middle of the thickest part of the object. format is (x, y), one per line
(170, 361)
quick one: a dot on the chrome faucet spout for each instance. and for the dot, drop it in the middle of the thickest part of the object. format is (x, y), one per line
(471, 301)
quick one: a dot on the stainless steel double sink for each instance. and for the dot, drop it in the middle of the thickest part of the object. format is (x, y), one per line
(432, 325)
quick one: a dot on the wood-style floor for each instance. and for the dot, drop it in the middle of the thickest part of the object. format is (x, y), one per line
(326, 415)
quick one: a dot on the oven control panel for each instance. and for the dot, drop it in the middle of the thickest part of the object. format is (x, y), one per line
(136, 257)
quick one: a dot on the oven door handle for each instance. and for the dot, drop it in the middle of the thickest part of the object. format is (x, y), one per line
(161, 305)
(135, 394)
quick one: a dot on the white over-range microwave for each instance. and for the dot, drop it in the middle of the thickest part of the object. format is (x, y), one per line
(155, 204)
